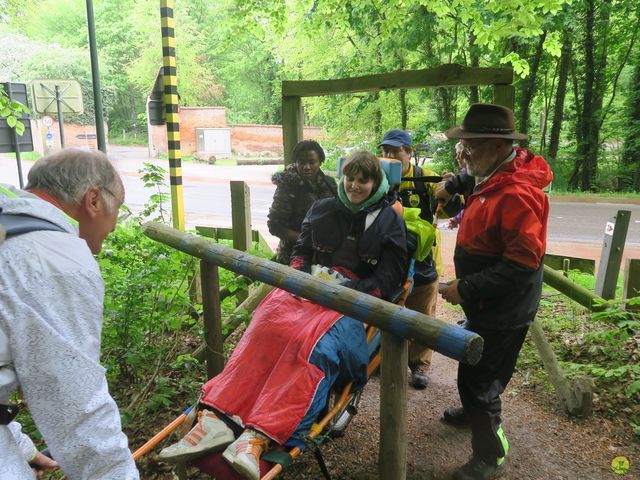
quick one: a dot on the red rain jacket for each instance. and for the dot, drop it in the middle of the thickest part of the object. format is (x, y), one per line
(501, 244)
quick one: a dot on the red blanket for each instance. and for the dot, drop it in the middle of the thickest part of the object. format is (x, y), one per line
(268, 381)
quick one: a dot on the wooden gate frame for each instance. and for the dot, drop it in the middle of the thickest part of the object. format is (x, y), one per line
(392, 455)
(450, 75)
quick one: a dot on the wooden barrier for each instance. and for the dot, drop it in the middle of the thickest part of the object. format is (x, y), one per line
(632, 281)
(397, 324)
(214, 350)
(557, 262)
(241, 215)
(452, 341)
(575, 292)
(577, 398)
(393, 407)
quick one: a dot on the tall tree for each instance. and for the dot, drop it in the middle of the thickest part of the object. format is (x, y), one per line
(606, 45)
(631, 153)
(558, 109)
(528, 88)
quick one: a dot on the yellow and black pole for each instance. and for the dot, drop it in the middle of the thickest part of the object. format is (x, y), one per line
(170, 86)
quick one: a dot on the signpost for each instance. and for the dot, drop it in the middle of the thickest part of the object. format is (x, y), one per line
(57, 96)
(615, 235)
(95, 76)
(170, 89)
(9, 139)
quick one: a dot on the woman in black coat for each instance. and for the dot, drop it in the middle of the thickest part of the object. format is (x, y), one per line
(297, 187)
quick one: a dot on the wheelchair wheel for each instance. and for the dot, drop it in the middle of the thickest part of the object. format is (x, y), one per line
(338, 424)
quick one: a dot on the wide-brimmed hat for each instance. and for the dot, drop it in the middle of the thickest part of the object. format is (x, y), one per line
(485, 120)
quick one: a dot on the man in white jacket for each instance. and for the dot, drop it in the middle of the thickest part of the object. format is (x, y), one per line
(51, 301)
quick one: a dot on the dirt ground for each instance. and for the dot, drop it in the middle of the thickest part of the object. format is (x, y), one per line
(544, 444)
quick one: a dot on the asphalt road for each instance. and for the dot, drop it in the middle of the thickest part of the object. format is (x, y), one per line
(207, 198)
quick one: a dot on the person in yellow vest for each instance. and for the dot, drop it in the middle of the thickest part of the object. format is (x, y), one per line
(397, 144)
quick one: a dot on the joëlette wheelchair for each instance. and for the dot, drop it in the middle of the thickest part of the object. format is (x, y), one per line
(341, 407)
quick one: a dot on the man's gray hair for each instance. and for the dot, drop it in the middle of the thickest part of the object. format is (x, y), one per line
(68, 174)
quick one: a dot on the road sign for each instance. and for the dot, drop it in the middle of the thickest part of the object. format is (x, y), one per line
(45, 98)
(49, 136)
(47, 121)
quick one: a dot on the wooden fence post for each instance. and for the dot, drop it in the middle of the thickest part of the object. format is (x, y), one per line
(615, 235)
(214, 353)
(241, 215)
(632, 281)
(504, 95)
(392, 455)
(576, 398)
(585, 265)
(292, 125)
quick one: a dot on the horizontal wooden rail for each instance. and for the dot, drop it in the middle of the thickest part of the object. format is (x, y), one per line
(451, 75)
(569, 288)
(452, 341)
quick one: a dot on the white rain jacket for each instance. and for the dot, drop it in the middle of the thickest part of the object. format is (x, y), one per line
(51, 300)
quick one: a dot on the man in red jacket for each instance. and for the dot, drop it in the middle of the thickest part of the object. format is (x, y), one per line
(498, 259)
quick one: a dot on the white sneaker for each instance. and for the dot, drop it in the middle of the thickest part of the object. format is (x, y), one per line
(210, 434)
(244, 454)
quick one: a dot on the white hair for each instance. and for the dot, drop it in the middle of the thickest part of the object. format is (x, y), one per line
(68, 174)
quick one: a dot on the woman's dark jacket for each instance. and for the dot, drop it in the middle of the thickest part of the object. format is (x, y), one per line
(380, 251)
(291, 201)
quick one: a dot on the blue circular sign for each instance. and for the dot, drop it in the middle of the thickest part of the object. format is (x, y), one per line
(49, 136)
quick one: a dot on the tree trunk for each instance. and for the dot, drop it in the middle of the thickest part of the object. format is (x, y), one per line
(445, 100)
(529, 88)
(573, 180)
(558, 109)
(474, 97)
(631, 153)
(586, 147)
(377, 116)
(596, 22)
(403, 107)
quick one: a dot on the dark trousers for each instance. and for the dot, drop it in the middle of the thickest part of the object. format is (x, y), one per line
(481, 385)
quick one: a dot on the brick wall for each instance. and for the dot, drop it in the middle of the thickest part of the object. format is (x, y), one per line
(190, 119)
(245, 139)
(264, 139)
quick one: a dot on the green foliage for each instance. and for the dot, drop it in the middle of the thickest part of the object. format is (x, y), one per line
(235, 53)
(11, 111)
(153, 177)
(151, 323)
(146, 299)
(603, 346)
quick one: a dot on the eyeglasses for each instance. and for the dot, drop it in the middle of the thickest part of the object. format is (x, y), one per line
(105, 189)
(124, 210)
(468, 149)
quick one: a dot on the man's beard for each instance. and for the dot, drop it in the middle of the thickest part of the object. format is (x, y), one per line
(474, 170)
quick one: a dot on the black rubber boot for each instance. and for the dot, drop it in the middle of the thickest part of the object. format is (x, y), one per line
(455, 417)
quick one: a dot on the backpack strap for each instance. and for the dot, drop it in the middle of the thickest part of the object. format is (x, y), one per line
(20, 224)
(419, 179)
